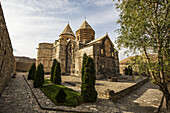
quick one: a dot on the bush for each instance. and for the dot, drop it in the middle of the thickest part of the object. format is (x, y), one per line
(39, 78)
(88, 92)
(32, 70)
(130, 70)
(126, 71)
(52, 70)
(61, 96)
(57, 74)
(82, 69)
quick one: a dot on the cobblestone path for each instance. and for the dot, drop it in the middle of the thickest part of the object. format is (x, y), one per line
(17, 98)
(146, 99)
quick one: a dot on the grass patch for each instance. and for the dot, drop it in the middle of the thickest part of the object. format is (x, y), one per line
(72, 99)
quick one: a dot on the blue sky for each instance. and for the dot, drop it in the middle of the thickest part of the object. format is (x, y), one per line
(30, 22)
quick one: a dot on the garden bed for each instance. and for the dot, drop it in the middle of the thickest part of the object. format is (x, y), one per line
(51, 90)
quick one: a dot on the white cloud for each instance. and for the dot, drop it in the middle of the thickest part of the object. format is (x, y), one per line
(30, 22)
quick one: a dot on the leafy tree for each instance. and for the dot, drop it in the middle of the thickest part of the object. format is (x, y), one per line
(61, 96)
(32, 70)
(39, 78)
(52, 70)
(145, 29)
(82, 69)
(57, 74)
(130, 70)
(126, 71)
(88, 92)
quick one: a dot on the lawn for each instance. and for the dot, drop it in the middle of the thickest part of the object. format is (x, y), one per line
(52, 90)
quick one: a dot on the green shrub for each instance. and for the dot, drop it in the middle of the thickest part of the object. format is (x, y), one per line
(82, 69)
(39, 78)
(57, 74)
(32, 70)
(88, 92)
(130, 70)
(126, 71)
(52, 70)
(61, 96)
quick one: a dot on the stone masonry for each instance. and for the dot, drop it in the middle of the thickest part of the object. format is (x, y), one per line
(7, 60)
(69, 50)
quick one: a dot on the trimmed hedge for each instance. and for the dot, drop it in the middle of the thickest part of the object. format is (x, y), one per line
(57, 74)
(52, 70)
(32, 70)
(88, 92)
(61, 96)
(39, 78)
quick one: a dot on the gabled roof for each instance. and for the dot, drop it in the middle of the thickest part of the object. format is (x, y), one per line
(94, 41)
(85, 25)
(101, 38)
(67, 31)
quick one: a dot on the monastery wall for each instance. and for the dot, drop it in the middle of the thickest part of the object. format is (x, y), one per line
(7, 61)
(44, 56)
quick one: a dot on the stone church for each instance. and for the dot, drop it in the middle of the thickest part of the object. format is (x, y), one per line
(69, 50)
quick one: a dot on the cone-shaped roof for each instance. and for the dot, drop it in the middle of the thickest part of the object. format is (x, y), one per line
(67, 31)
(85, 25)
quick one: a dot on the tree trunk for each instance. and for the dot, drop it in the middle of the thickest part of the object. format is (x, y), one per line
(166, 93)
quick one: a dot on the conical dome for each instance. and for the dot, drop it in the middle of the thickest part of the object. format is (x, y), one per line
(67, 31)
(85, 25)
(85, 33)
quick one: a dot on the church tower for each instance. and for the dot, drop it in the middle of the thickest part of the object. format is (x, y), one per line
(67, 33)
(85, 33)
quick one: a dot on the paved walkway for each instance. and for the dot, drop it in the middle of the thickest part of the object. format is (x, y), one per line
(17, 98)
(146, 99)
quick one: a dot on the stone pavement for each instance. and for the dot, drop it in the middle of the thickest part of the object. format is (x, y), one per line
(146, 99)
(17, 98)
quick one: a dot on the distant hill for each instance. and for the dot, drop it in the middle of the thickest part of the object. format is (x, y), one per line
(23, 63)
(126, 61)
(24, 59)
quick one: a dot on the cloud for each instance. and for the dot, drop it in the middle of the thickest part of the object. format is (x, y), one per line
(30, 22)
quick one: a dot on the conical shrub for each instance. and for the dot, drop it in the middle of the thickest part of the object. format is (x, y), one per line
(52, 70)
(57, 74)
(32, 71)
(61, 96)
(88, 92)
(39, 78)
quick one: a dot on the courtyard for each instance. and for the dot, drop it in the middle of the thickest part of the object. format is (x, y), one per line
(17, 97)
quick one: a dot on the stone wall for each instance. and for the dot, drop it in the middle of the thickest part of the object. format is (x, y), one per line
(7, 61)
(44, 56)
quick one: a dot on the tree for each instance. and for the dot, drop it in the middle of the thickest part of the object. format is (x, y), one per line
(57, 74)
(145, 29)
(61, 96)
(88, 92)
(39, 78)
(52, 70)
(82, 69)
(126, 71)
(32, 70)
(130, 70)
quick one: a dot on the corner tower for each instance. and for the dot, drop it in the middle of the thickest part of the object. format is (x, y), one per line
(67, 33)
(85, 33)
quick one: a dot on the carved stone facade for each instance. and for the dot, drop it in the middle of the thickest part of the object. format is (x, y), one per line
(7, 61)
(69, 50)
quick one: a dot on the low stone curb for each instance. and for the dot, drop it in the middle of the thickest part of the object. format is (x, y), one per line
(126, 91)
(48, 105)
